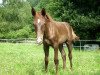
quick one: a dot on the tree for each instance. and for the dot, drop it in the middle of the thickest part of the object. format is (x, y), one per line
(83, 16)
(15, 20)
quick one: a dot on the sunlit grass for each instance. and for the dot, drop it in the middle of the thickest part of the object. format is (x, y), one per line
(28, 59)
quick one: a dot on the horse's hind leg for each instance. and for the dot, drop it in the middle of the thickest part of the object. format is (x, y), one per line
(46, 51)
(69, 45)
(56, 61)
(63, 54)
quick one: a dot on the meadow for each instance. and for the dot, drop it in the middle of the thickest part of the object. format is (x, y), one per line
(28, 59)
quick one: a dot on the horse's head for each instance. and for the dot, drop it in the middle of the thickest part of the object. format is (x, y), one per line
(39, 24)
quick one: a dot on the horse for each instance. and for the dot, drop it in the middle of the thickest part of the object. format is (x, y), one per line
(53, 33)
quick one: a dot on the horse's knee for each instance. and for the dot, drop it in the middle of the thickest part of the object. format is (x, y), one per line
(70, 56)
(56, 61)
(46, 62)
(64, 55)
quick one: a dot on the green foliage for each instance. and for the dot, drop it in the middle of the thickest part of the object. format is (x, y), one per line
(83, 16)
(21, 33)
(16, 20)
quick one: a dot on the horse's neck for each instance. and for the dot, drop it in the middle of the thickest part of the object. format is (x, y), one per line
(49, 28)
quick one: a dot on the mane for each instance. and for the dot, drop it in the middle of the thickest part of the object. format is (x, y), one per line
(49, 17)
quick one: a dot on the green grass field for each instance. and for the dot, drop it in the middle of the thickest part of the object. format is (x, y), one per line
(28, 59)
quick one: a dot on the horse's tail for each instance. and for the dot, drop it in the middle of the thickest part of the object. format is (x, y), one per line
(75, 37)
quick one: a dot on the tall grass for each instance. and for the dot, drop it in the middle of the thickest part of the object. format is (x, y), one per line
(28, 59)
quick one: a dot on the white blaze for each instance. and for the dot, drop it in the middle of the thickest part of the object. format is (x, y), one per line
(38, 20)
(39, 39)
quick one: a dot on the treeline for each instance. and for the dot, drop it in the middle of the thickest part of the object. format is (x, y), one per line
(83, 15)
(15, 19)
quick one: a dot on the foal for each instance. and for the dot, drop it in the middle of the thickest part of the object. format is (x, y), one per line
(53, 33)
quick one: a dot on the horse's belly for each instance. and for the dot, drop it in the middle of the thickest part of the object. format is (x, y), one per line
(62, 39)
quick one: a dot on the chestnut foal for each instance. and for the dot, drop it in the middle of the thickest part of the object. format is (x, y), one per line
(53, 33)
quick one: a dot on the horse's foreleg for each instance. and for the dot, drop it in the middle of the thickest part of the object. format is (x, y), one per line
(63, 54)
(46, 51)
(69, 45)
(56, 61)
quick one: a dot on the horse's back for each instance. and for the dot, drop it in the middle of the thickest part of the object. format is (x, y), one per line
(66, 31)
(62, 31)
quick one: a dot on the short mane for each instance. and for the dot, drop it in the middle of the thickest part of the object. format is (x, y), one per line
(49, 17)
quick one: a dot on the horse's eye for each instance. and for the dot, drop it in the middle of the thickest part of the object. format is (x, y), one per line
(34, 24)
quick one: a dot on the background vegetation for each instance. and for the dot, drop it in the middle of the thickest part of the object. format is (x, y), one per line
(83, 15)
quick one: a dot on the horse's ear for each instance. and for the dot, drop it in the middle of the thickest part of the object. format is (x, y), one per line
(43, 12)
(33, 11)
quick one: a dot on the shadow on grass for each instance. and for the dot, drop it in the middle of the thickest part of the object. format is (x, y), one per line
(37, 69)
(31, 72)
(97, 73)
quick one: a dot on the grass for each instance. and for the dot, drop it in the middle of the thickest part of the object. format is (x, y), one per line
(28, 59)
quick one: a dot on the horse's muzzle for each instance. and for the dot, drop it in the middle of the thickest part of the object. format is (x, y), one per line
(39, 40)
